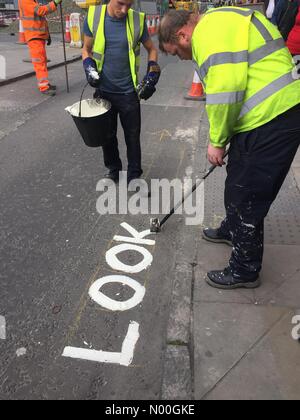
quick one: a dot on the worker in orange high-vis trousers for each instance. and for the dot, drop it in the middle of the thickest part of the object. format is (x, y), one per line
(36, 33)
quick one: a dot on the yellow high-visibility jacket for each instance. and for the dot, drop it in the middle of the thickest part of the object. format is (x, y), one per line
(134, 26)
(248, 73)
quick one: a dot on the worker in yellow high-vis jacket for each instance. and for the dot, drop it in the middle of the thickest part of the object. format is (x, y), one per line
(113, 35)
(253, 102)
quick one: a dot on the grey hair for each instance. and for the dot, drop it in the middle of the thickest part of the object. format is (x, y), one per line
(170, 25)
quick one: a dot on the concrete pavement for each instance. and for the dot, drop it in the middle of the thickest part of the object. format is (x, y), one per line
(18, 64)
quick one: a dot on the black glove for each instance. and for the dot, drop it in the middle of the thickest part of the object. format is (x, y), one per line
(49, 41)
(91, 72)
(145, 90)
(147, 87)
(153, 73)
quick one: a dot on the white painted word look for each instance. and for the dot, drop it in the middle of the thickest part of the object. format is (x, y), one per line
(136, 242)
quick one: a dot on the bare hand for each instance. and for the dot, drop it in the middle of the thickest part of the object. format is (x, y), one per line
(215, 155)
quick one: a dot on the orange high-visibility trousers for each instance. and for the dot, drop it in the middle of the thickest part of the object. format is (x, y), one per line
(38, 56)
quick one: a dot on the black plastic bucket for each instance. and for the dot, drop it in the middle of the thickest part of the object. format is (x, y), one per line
(93, 120)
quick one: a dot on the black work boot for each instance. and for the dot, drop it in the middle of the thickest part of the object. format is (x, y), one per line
(215, 235)
(113, 175)
(224, 279)
(51, 91)
(131, 176)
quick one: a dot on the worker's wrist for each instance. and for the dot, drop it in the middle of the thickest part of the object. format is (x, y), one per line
(153, 73)
(153, 66)
(221, 144)
(89, 62)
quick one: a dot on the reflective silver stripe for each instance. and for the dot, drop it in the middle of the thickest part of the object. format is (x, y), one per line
(246, 12)
(36, 60)
(224, 98)
(35, 29)
(269, 48)
(36, 9)
(223, 58)
(197, 69)
(261, 29)
(266, 92)
(35, 18)
(137, 29)
(96, 22)
(97, 56)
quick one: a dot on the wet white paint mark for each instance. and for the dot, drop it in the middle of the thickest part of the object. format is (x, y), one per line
(112, 304)
(123, 358)
(248, 225)
(137, 237)
(116, 264)
(89, 108)
(21, 352)
(2, 328)
(188, 135)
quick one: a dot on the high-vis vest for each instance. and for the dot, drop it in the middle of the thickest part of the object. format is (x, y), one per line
(134, 26)
(247, 71)
(33, 18)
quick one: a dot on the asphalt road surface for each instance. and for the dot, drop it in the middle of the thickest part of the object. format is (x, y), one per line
(54, 246)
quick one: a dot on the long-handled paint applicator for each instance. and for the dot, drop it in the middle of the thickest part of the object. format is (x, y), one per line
(156, 224)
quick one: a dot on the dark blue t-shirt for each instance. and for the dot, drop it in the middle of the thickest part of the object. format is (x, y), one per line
(116, 73)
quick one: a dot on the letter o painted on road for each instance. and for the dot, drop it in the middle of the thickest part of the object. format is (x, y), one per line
(112, 304)
(113, 261)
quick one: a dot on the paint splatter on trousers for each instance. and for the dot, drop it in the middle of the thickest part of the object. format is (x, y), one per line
(258, 163)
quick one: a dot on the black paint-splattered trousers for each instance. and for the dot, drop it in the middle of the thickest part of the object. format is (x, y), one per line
(258, 163)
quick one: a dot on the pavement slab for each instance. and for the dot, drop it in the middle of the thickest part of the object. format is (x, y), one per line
(224, 335)
(18, 60)
(268, 368)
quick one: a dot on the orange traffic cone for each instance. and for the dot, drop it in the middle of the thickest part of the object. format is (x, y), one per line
(149, 25)
(157, 23)
(21, 39)
(196, 92)
(67, 34)
(152, 27)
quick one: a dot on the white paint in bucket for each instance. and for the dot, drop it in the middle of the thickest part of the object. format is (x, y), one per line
(89, 108)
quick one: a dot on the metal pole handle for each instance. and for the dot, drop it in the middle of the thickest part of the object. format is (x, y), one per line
(195, 186)
(64, 46)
